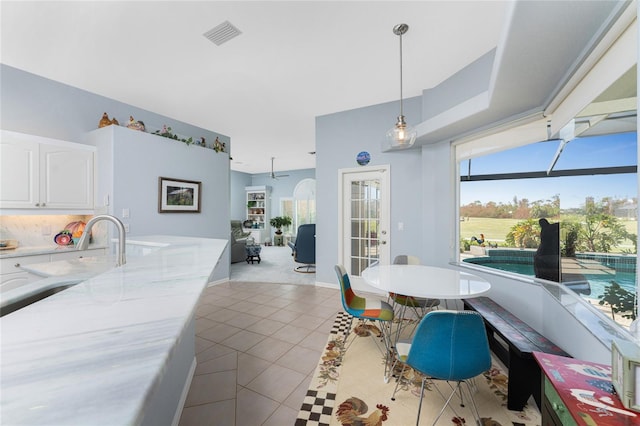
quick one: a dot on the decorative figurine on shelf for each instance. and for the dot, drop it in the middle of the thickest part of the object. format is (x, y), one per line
(104, 121)
(135, 125)
(217, 145)
(166, 132)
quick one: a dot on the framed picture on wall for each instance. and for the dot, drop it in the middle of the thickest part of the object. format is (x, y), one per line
(178, 195)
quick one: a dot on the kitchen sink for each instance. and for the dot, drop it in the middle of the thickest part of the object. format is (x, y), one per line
(57, 276)
(92, 265)
(31, 293)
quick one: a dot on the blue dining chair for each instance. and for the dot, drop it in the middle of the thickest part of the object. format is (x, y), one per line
(371, 309)
(450, 346)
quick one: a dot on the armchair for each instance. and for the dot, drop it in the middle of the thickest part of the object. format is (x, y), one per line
(237, 242)
(304, 249)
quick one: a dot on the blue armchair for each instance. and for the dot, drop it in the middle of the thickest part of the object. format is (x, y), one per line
(304, 249)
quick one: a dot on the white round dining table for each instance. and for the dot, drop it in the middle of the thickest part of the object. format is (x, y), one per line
(425, 281)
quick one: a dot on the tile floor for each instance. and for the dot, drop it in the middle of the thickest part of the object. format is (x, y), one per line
(257, 346)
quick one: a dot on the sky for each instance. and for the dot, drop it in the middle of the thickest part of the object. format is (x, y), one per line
(601, 151)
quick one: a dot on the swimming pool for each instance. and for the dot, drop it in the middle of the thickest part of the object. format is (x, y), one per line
(598, 281)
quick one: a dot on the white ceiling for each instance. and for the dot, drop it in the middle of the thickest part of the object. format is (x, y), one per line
(293, 61)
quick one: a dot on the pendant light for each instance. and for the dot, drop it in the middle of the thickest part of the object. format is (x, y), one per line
(401, 135)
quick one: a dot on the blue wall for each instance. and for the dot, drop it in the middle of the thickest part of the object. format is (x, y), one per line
(339, 139)
(423, 197)
(38, 106)
(34, 105)
(238, 204)
(280, 188)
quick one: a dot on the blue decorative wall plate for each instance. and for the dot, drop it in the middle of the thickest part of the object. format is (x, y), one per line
(363, 158)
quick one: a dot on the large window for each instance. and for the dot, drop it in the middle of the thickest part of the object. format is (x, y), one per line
(564, 212)
(287, 209)
(304, 200)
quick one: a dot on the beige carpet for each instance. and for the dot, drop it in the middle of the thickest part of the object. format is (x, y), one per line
(348, 389)
(276, 266)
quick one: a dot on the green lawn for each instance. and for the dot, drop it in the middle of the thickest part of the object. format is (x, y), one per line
(496, 230)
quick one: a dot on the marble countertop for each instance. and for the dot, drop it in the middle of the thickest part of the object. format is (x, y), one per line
(93, 265)
(36, 250)
(92, 354)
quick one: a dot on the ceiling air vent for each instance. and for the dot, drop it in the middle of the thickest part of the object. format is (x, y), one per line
(222, 33)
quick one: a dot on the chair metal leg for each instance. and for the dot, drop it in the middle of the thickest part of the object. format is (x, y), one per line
(385, 331)
(476, 414)
(461, 396)
(346, 334)
(458, 389)
(446, 399)
(403, 323)
(399, 316)
(404, 367)
(387, 346)
(310, 269)
(354, 335)
(446, 404)
(424, 379)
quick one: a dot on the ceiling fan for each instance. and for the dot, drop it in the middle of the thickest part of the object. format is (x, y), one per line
(273, 175)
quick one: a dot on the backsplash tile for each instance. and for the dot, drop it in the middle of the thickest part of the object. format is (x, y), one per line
(29, 230)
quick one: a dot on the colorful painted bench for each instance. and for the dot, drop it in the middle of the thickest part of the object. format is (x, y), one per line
(521, 341)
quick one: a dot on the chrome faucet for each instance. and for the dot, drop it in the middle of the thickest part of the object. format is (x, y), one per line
(84, 239)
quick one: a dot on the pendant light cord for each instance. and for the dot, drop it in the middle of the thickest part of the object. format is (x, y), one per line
(401, 135)
(401, 110)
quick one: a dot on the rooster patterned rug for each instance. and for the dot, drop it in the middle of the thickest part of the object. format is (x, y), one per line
(348, 388)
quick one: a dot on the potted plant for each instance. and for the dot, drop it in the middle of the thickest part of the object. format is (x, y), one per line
(279, 221)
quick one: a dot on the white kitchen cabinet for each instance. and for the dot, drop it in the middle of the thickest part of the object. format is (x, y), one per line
(43, 173)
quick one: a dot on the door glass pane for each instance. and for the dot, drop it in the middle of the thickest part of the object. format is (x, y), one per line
(365, 220)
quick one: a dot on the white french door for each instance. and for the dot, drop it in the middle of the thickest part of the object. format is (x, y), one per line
(364, 222)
